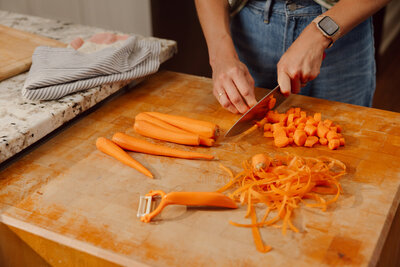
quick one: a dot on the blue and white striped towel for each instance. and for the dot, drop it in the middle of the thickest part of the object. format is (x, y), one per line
(56, 72)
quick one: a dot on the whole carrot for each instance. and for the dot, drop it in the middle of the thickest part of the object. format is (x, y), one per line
(131, 143)
(151, 130)
(143, 116)
(203, 128)
(108, 147)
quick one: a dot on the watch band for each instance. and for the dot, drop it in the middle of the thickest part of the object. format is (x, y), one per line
(333, 37)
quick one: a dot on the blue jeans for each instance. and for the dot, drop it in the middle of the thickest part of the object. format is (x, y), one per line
(263, 30)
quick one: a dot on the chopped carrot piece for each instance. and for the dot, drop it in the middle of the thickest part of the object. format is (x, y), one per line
(283, 118)
(311, 121)
(317, 117)
(334, 143)
(299, 120)
(290, 118)
(322, 130)
(267, 127)
(271, 103)
(310, 129)
(291, 128)
(331, 135)
(276, 126)
(303, 114)
(290, 134)
(299, 137)
(328, 123)
(301, 126)
(342, 142)
(311, 141)
(290, 111)
(268, 134)
(323, 141)
(281, 141)
(297, 112)
(333, 128)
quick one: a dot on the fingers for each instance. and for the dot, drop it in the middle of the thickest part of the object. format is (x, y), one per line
(223, 99)
(284, 83)
(245, 85)
(234, 96)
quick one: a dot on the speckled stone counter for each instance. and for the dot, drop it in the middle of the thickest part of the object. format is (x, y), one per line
(23, 122)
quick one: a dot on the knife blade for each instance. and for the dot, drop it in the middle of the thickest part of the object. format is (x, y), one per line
(257, 112)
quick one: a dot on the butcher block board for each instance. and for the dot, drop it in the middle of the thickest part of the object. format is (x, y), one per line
(71, 193)
(16, 49)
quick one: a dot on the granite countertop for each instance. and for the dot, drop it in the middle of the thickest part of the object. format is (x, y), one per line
(23, 122)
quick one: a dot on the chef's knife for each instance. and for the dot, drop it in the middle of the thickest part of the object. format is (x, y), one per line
(257, 112)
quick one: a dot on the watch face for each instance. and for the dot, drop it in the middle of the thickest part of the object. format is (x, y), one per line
(328, 26)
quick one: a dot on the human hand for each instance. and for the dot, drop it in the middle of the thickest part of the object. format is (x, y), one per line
(301, 63)
(233, 84)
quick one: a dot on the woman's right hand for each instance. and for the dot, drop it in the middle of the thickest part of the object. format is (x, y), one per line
(233, 84)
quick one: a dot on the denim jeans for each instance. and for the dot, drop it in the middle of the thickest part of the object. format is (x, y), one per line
(263, 30)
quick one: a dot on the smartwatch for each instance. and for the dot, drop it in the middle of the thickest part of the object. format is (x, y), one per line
(328, 28)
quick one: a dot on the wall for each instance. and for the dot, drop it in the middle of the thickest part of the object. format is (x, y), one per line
(128, 16)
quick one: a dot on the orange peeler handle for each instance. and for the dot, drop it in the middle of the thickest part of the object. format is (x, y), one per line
(213, 199)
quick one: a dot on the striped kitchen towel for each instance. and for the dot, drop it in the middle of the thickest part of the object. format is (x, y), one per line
(56, 72)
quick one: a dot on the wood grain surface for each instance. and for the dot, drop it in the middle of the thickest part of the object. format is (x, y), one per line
(70, 193)
(16, 49)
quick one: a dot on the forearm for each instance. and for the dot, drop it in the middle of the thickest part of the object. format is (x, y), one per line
(214, 20)
(349, 13)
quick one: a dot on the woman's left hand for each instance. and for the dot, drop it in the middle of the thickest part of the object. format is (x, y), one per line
(301, 63)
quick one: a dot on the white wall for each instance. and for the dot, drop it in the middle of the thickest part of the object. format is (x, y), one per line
(128, 16)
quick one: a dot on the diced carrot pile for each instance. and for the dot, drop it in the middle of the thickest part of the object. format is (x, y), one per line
(279, 185)
(296, 127)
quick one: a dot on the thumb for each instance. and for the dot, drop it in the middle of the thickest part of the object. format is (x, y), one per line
(284, 83)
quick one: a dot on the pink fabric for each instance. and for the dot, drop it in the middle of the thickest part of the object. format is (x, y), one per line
(100, 38)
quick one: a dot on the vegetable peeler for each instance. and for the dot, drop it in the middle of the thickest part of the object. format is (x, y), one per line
(213, 199)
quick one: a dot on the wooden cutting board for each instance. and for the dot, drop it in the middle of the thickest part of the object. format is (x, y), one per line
(16, 49)
(68, 192)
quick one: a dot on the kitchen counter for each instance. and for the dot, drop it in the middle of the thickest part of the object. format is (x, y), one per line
(69, 193)
(23, 122)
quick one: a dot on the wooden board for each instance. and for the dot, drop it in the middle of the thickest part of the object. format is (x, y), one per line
(68, 192)
(16, 49)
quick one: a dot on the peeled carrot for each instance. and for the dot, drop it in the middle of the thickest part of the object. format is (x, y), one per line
(146, 117)
(151, 130)
(260, 162)
(203, 128)
(134, 144)
(110, 148)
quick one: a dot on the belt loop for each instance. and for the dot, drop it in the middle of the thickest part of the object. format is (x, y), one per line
(267, 11)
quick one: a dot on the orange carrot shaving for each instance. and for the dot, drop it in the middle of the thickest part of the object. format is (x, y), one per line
(282, 187)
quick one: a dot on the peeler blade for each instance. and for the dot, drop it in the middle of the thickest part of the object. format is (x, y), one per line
(145, 205)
